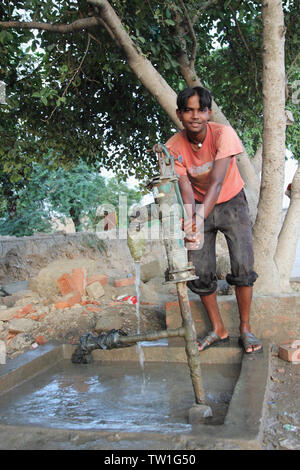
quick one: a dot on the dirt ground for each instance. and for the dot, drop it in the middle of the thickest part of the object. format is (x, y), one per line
(282, 423)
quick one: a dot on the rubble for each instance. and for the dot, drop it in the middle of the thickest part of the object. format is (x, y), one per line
(74, 302)
(95, 290)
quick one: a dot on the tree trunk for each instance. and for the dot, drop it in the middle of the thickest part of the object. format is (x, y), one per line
(75, 216)
(268, 220)
(289, 234)
(10, 196)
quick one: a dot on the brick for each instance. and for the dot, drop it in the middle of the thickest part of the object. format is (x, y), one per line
(69, 300)
(74, 298)
(127, 281)
(40, 340)
(42, 316)
(61, 305)
(170, 305)
(93, 309)
(290, 351)
(9, 337)
(95, 290)
(66, 284)
(79, 279)
(27, 309)
(89, 301)
(114, 304)
(102, 278)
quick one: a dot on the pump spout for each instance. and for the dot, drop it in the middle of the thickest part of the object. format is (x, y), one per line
(136, 240)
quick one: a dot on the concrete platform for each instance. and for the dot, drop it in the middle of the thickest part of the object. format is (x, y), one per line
(273, 318)
(242, 428)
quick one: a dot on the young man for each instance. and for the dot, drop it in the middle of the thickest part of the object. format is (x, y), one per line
(208, 175)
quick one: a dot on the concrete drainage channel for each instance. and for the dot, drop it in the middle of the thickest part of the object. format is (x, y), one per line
(113, 404)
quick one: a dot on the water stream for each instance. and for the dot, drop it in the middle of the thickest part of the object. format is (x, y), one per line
(137, 309)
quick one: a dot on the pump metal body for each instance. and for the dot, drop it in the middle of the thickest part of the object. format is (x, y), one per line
(180, 270)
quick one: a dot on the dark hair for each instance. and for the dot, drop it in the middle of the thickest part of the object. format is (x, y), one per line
(204, 97)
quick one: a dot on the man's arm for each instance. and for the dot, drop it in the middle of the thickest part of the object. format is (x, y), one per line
(187, 195)
(217, 176)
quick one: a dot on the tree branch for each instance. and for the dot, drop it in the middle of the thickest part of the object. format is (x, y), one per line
(73, 76)
(292, 64)
(204, 7)
(77, 25)
(192, 33)
(252, 59)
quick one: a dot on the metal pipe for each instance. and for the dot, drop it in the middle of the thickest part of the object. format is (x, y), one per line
(152, 336)
(179, 269)
(192, 353)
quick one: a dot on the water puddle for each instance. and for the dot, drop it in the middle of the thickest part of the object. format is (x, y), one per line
(117, 396)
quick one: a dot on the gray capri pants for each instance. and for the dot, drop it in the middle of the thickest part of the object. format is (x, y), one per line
(232, 219)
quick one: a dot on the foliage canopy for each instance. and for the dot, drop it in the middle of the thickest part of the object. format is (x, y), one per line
(75, 94)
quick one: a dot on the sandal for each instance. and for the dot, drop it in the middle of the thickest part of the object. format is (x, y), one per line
(212, 339)
(248, 339)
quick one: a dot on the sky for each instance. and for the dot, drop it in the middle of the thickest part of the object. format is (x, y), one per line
(290, 169)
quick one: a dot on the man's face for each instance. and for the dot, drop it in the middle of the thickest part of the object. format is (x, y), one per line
(194, 118)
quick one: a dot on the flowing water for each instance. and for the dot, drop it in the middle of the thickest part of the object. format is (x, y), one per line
(137, 307)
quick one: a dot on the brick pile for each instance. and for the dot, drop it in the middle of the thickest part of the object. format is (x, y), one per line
(73, 287)
(85, 302)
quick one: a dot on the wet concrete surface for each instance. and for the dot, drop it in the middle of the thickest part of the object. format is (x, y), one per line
(113, 405)
(111, 396)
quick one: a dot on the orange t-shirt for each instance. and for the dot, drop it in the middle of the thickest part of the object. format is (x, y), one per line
(220, 142)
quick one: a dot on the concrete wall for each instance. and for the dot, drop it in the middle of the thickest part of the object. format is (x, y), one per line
(272, 317)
